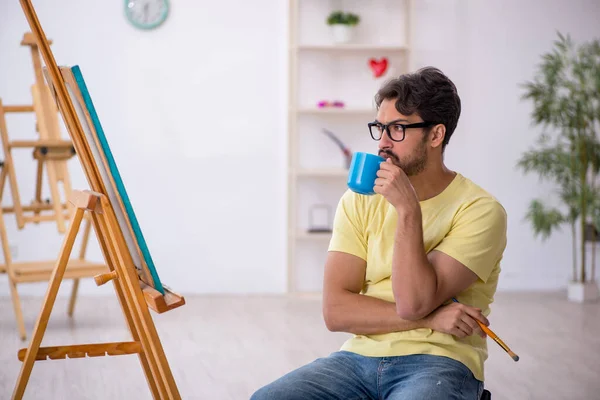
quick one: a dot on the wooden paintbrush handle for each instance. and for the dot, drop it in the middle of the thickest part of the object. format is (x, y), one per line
(487, 330)
(491, 334)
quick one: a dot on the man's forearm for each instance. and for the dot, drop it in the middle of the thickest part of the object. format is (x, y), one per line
(414, 280)
(364, 315)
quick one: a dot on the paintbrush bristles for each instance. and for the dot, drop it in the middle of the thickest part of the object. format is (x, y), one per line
(513, 356)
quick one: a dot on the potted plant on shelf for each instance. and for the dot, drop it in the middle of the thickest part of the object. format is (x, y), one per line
(342, 25)
(566, 102)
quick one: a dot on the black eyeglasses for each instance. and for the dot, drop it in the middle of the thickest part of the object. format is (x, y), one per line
(395, 130)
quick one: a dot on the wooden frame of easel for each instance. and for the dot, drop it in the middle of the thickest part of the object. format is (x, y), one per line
(136, 284)
(51, 153)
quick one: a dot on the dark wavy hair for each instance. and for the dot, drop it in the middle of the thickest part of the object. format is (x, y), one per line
(428, 93)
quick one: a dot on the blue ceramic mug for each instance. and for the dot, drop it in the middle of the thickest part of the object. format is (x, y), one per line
(363, 172)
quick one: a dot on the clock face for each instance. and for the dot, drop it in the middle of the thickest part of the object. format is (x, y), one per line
(146, 14)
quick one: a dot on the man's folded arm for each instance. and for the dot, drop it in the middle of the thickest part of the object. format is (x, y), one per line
(346, 310)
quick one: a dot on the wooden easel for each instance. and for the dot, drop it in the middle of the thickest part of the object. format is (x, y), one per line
(136, 291)
(145, 338)
(51, 153)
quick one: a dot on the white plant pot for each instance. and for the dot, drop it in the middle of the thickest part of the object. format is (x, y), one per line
(342, 33)
(583, 292)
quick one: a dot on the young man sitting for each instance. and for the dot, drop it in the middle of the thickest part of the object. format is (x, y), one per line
(398, 258)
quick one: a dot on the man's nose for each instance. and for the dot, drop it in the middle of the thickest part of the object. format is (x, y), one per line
(385, 142)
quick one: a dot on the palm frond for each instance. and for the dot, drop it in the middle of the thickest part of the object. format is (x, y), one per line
(553, 162)
(544, 220)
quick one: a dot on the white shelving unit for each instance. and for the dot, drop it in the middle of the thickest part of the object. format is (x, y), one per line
(320, 69)
(350, 47)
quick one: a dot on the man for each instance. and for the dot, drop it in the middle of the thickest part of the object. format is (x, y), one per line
(398, 259)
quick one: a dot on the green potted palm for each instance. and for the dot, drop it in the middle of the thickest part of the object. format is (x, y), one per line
(342, 25)
(566, 103)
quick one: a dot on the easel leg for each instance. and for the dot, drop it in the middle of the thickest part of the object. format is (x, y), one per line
(84, 243)
(147, 357)
(136, 337)
(10, 170)
(2, 180)
(54, 192)
(149, 338)
(11, 282)
(140, 314)
(63, 176)
(42, 322)
(18, 312)
(74, 290)
(38, 185)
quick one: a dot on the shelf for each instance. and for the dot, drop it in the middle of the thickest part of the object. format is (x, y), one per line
(351, 47)
(322, 172)
(337, 111)
(321, 69)
(314, 236)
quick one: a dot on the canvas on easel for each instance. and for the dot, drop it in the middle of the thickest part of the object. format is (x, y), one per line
(132, 271)
(115, 187)
(51, 152)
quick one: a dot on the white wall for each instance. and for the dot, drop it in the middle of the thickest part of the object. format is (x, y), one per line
(198, 107)
(203, 101)
(489, 48)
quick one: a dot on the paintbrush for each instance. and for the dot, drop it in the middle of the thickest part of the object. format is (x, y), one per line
(491, 334)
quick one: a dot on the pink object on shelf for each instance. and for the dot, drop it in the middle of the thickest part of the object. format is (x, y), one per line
(336, 103)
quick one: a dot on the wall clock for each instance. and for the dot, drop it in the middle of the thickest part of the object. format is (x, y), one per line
(146, 14)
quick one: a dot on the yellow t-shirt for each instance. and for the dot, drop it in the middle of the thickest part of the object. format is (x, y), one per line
(463, 221)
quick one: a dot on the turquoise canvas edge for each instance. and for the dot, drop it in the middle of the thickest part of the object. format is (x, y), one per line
(117, 177)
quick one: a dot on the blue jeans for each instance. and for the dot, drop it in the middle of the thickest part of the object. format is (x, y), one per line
(348, 376)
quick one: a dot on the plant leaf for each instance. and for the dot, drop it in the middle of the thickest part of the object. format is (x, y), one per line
(544, 220)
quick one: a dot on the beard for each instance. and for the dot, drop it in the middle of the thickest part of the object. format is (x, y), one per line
(413, 164)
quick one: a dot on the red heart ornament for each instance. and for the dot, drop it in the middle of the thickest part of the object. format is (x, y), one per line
(378, 66)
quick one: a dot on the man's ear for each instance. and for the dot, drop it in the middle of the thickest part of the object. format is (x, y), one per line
(437, 135)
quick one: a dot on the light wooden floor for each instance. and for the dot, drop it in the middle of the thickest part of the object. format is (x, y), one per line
(225, 347)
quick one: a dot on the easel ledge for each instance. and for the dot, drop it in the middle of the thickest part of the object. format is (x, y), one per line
(161, 303)
(156, 301)
(91, 201)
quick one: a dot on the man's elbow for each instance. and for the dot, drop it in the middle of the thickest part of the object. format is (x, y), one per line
(332, 321)
(411, 311)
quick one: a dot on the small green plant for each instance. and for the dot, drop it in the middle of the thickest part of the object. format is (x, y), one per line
(566, 102)
(342, 18)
